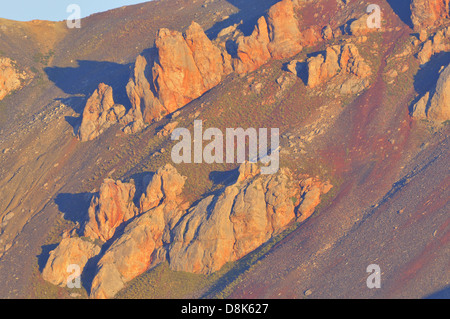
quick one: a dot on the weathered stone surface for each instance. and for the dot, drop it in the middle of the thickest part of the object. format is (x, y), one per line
(295, 67)
(141, 95)
(428, 13)
(435, 105)
(438, 42)
(252, 51)
(219, 229)
(10, 78)
(208, 58)
(321, 68)
(310, 194)
(184, 67)
(109, 209)
(130, 255)
(142, 243)
(99, 113)
(327, 33)
(339, 59)
(166, 184)
(284, 33)
(176, 76)
(439, 109)
(167, 129)
(360, 26)
(70, 251)
(227, 226)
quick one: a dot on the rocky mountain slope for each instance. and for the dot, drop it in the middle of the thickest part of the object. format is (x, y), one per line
(87, 178)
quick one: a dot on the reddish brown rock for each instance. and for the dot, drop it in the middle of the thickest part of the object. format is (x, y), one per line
(310, 37)
(208, 58)
(344, 60)
(227, 226)
(435, 105)
(141, 95)
(10, 78)
(252, 51)
(360, 26)
(311, 191)
(323, 67)
(166, 184)
(142, 243)
(99, 113)
(185, 66)
(71, 251)
(176, 76)
(429, 13)
(129, 256)
(109, 209)
(284, 33)
(438, 42)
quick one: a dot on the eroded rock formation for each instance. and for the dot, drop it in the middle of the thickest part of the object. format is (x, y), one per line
(227, 226)
(252, 51)
(429, 13)
(436, 43)
(435, 105)
(11, 78)
(99, 113)
(185, 66)
(339, 59)
(70, 251)
(220, 228)
(109, 209)
(142, 243)
(284, 33)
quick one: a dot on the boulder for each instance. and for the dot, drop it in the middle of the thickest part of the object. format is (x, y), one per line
(284, 33)
(435, 105)
(337, 59)
(166, 184)
(429, 13)
(310, 194)
(141, 93)
(144, 239)
(99, 113)
(70, 251)
(10, 78)
(131, 254)
(327, 33)
(252, 51)
(176, 76)
(208, 58)
(225, 227)
(109, 209)
(437, 43)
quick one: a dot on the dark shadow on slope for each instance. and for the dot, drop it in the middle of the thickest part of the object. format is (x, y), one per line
(441, 294)
(76, 103)
(249, 13)
(84, 79)
(403, 10)
(74, 206)
(224, 178)
(301, 69)
(426, 78)
(43, 256)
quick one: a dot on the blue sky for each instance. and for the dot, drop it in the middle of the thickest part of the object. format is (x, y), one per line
(55, 10)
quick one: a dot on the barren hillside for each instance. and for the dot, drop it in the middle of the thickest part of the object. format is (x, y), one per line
(88, 177)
